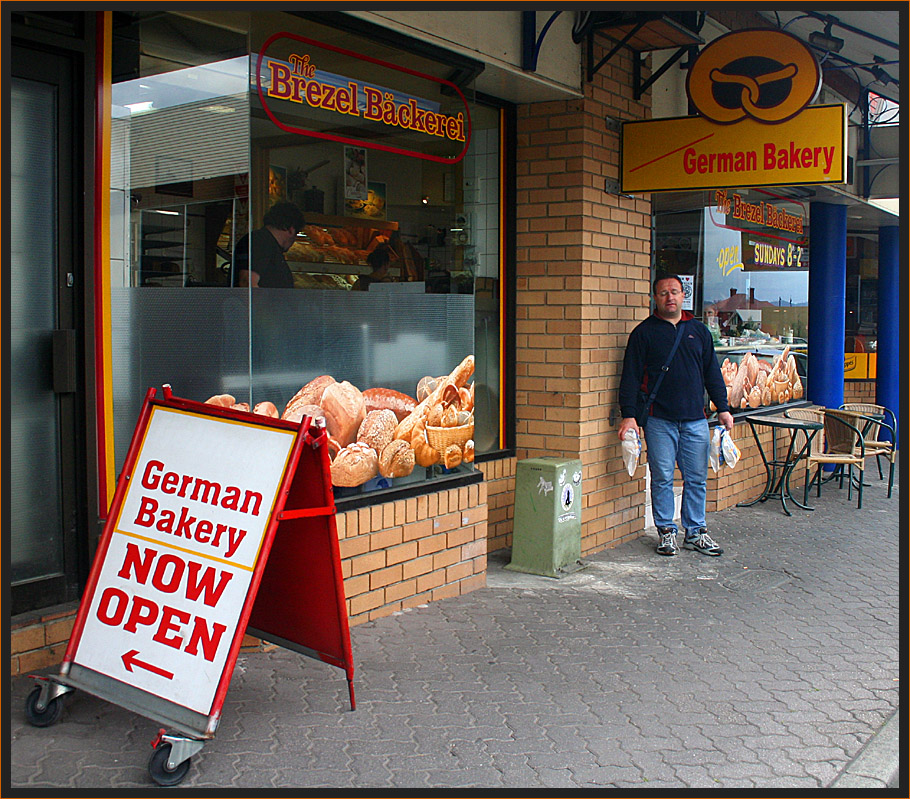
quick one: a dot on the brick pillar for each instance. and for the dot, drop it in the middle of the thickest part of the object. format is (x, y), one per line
(583, 269)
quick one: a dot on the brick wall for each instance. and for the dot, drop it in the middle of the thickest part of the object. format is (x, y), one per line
(410, 551)
(583, 268)
(859, 391)
(499, 477)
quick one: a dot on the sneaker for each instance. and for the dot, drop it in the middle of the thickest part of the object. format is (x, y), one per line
(700, 541)
(667, 545)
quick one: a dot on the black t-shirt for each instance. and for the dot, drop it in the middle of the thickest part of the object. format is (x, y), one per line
(268, 261)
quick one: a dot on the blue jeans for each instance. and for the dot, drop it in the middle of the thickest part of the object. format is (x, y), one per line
(685, 444)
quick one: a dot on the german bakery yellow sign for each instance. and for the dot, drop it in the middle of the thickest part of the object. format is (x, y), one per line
(755, 127)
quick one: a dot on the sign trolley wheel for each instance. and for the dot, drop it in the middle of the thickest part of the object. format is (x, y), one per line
(170, 759)
(44, 704)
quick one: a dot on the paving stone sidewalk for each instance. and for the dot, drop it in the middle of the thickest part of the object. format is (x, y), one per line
(770, 667)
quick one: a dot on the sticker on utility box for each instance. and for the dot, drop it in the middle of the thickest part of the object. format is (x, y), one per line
(183, 553)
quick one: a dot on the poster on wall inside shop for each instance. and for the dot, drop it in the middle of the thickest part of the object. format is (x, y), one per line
(373, 207)
(278, 184)
(688, 284)
(355, 173)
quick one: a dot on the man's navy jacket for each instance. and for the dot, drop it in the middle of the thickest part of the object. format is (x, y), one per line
(681, 397)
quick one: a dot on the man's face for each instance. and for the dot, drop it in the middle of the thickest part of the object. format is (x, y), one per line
(286, 238)
(668, 296)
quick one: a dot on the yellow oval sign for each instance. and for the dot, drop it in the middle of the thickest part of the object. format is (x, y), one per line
(765, 75)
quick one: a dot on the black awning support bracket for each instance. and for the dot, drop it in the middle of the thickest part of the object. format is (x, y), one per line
(530, 41)
(640, 88)
(592, 69)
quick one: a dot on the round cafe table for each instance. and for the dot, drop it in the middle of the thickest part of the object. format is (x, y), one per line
(783, 456)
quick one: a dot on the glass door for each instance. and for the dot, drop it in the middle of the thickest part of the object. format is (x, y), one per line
(43, 365)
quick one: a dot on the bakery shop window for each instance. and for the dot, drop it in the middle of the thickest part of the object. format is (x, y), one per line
(332, 251)
(744, 259)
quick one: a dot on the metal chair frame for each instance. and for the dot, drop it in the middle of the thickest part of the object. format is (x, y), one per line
(840, 443)
(875, 419)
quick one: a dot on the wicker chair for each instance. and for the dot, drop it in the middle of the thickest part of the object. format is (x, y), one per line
(817, 448)
(844, 447)
(875, 419)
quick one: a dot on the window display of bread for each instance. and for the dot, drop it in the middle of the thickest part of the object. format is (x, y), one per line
(380, 430)
(396, 459)
(354, 465)
(753, 382)
(344, 411)
(377, 429)
(335, 240)
(241, 406)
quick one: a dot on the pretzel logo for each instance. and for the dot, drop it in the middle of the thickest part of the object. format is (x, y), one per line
(766, 75)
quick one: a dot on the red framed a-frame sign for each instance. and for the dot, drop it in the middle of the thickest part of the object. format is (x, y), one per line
(222, 520)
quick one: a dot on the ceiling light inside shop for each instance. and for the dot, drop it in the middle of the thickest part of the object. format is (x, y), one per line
(138, 108)
(219, 109)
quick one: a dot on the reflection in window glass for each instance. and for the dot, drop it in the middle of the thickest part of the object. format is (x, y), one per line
(748, 266)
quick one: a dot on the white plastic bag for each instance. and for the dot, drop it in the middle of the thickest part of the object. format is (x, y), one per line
(714, 454)
(729, 451)
(631, 450)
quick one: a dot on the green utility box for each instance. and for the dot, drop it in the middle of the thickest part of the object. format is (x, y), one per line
(546, 537)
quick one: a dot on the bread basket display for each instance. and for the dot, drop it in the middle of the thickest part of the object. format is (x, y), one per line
(441, 438)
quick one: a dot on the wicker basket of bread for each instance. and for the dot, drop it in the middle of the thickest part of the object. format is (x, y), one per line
(441, 438)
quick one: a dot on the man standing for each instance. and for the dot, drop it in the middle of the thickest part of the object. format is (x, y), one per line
(676, 428)
(259, 257)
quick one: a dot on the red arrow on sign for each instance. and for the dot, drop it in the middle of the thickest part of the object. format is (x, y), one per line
(129, 660)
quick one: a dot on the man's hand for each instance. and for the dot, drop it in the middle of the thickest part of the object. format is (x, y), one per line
(726, 419)
(248, 278)
(629, 423)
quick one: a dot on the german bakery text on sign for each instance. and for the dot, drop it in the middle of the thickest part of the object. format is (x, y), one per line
(181, 558)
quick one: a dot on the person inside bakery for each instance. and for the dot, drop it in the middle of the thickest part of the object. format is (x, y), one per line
(407, 257)
(259, 256)
(379, 260)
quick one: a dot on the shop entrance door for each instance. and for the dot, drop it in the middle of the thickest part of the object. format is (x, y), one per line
(44, 376)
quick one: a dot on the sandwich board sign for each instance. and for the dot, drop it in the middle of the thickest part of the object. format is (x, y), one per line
(203, 492)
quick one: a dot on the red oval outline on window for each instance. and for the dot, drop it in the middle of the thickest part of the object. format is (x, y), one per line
(344, 139)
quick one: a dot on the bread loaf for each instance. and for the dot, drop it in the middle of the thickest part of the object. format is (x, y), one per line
(424, 454)
(377, 399)
(452, 457)
(222, 400)
(468, 451)
(266, 409)
(241, 406)
(344, 410)
(300, 410)
(310, 394)
(377, 428)
(396, 459)
(354, 465)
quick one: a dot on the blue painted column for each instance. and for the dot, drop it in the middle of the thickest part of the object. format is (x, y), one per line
(889, 321)
(827, 301)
